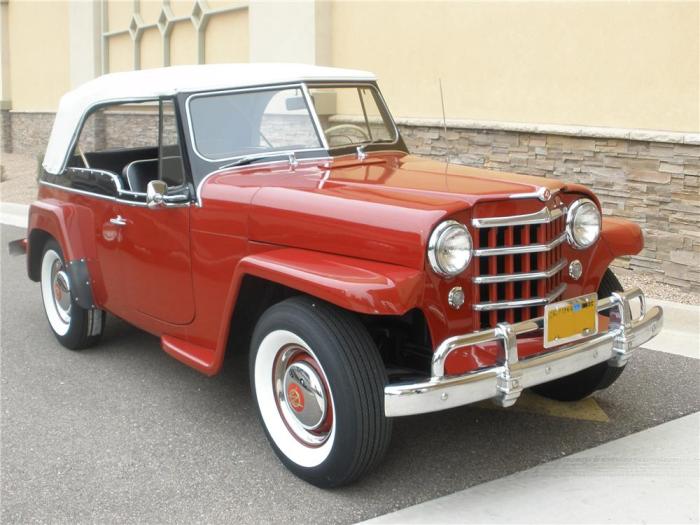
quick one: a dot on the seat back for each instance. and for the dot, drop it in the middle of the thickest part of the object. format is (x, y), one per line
(139, 173)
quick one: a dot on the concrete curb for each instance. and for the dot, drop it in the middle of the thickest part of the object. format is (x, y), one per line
(14, 214)
(681, 332)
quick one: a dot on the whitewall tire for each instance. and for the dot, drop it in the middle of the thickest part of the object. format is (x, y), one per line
(318, 383)
(73, 326)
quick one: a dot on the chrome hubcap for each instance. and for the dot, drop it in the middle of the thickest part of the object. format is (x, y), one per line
(61, 291)
(302, 395)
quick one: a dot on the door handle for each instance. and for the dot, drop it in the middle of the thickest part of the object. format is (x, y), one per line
(118, 220)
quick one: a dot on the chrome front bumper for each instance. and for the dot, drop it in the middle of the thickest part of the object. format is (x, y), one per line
(504, 383)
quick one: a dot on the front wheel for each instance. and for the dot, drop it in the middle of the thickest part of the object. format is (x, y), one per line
(318, 382)
(582, 384)
(74, 327)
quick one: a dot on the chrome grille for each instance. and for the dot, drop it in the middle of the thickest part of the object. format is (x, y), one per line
(519, 265)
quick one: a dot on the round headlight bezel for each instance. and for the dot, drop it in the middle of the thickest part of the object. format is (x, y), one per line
(439, 236)
(576, 208)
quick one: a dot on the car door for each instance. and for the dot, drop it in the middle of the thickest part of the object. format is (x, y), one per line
(155, 242)
(155, 252)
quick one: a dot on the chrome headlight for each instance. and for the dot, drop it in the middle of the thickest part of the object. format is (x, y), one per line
(583, 223)
(450, 248)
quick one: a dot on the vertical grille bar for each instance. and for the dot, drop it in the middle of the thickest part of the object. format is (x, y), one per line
(493, 288)
(509, 268)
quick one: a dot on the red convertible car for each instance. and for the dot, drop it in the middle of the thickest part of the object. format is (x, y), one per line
(275, 210)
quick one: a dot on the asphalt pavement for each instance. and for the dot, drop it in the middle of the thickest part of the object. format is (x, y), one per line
(124, 433)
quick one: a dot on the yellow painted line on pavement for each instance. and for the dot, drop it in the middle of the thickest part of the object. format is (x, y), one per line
(586, 409)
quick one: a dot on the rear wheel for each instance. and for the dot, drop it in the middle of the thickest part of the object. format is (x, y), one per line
(318, 382)
(74, 327)
(582, 384)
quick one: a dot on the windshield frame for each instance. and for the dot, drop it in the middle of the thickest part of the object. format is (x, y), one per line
(381, 106)
(325, 150)
(256, 89)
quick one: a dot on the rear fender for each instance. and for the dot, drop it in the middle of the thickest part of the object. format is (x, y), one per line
(71, 226)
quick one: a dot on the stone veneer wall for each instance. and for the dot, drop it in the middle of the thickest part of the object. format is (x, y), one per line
(654, 183)
(28, 133)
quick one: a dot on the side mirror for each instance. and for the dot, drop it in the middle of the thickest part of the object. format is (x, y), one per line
(155, 194)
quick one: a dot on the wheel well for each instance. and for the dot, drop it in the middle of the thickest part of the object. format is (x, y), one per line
(254, 297)
(404, 342)
(36, 242)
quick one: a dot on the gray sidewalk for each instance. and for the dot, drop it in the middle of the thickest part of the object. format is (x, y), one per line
(14, 214)
(648, 477)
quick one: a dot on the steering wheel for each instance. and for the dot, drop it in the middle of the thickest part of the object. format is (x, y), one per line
(348, 127)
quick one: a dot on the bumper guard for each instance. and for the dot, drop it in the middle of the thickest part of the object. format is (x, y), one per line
(505, 382)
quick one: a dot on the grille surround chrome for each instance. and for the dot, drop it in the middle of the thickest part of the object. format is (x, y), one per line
(544, 216)
(519, 264)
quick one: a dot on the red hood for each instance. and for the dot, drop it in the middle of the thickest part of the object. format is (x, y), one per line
(452, 181)
(381, 209)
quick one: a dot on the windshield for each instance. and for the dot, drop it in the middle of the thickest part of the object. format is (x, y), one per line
(228, 125)
(352, 115)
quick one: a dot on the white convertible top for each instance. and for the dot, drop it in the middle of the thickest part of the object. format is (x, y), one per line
(148, 84)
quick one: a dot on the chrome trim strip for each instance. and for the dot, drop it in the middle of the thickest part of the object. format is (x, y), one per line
(521, 303)
(314, 116)
(544, 216)
(523, 276)
(543, 194)
(505, 382)
(95, 195)
(528, 248)
(117, 181)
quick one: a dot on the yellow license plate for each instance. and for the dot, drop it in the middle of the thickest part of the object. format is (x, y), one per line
(570, 320)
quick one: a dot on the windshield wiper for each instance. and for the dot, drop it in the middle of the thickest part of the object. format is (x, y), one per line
(376, 141)
(249, 159)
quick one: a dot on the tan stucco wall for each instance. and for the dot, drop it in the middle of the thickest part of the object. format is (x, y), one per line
(39, 54)
(617, 64)
(227, 38)
(226, 35)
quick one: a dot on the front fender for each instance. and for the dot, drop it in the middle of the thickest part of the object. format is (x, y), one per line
(618, 237)
(357, 285)
(622, 237)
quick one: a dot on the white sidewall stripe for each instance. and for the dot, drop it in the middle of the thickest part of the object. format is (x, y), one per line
(264, 361)
(59, 326)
